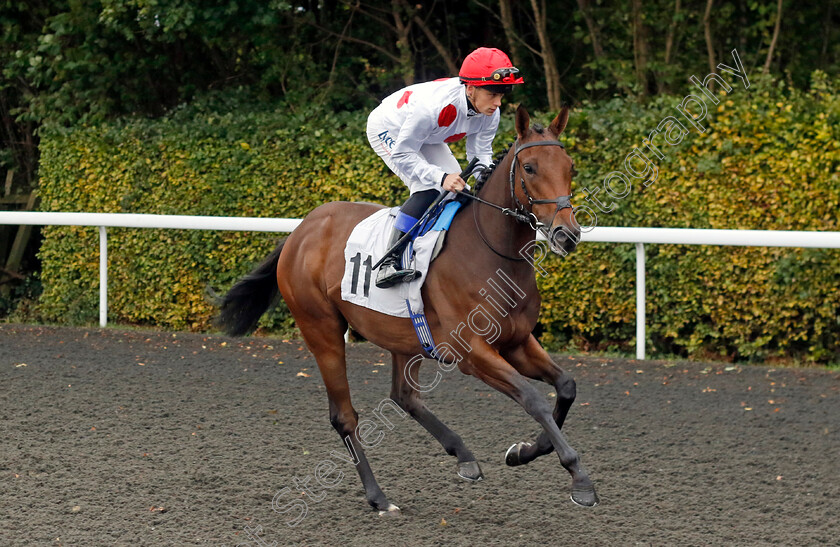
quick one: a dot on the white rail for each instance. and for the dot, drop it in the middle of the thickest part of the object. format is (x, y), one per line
(127, 220)
(638, 236)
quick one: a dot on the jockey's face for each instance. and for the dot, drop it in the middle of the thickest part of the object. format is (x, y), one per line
(483, 100)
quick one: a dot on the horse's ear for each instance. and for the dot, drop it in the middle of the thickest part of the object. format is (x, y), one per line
(559, 124)
(523, 122)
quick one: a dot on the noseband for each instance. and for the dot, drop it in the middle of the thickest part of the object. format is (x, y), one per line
(522, 213)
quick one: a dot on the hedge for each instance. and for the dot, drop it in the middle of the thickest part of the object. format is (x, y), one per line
(769, 159)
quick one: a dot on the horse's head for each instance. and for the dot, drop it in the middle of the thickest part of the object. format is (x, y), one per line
(541, 175)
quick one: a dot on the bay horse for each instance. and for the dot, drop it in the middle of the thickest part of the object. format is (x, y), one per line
(307, 268)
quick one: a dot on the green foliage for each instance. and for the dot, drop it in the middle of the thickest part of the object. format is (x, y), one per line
(87, 61)
(95, 59)
(266, 163)
(768, 160)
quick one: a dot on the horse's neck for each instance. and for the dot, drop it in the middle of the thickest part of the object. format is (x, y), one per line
(469, 261)
(505, 234)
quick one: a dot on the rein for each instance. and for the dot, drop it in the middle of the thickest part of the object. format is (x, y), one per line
(521, 213)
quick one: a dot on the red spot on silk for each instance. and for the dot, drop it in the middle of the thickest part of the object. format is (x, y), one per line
(455, 138)
(404, 99)
(447, 115)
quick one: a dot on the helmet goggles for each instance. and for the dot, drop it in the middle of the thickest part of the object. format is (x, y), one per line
(500, 76)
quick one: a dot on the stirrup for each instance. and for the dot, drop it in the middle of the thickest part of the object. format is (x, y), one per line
(389, 275)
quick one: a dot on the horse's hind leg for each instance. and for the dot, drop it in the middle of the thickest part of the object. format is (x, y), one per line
(324, 336)
(533, 361)
(403, 392)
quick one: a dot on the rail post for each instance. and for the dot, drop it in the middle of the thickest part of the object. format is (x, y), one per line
(103, 276)
(640, 300)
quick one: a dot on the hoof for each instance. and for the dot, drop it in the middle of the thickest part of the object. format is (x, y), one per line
(392, 511)
(585, 496)
(512, 454)
(470, 471)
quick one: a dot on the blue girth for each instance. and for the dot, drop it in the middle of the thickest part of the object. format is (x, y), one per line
(437, 221)
(424, 333)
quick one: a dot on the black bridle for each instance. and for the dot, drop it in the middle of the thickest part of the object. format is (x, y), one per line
(522, 213)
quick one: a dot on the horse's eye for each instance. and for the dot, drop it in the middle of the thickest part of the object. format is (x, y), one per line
(528, 168)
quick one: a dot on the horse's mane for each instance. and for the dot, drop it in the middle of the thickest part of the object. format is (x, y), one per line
(489, 171)
(537, 127)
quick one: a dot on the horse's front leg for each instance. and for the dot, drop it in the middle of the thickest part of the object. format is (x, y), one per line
(531, 360)
(493, 370)
(404, 378)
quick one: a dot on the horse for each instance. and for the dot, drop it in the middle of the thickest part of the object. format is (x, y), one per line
(494, 233)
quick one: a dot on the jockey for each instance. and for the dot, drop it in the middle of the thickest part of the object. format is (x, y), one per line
(410, 130)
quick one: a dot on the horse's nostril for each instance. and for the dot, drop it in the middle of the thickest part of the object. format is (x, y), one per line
(559, 236)
(565, 232)
(563, 241)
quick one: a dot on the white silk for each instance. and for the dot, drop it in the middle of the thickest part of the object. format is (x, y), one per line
(410, 129)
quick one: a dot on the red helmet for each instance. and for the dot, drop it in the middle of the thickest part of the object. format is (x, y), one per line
(488, 66)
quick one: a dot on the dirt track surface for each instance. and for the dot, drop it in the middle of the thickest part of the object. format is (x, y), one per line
(143, 438)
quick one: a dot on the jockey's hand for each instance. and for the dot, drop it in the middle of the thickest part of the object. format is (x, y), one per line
(453, 183)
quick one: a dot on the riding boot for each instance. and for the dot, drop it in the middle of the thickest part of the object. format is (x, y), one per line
(391, 272)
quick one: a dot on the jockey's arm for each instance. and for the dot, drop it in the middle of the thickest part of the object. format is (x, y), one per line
(480, 145)
(406, 153)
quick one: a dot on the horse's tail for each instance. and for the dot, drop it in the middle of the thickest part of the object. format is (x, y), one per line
(250, 297)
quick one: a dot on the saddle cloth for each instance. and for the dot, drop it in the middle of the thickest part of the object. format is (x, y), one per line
(368, 243)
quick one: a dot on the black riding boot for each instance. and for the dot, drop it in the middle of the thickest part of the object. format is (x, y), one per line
(391, 272)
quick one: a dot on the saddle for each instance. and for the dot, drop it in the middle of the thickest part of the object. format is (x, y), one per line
(368, 242)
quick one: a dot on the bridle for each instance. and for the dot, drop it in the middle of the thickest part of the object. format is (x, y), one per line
(562, 202)
(522, 213)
